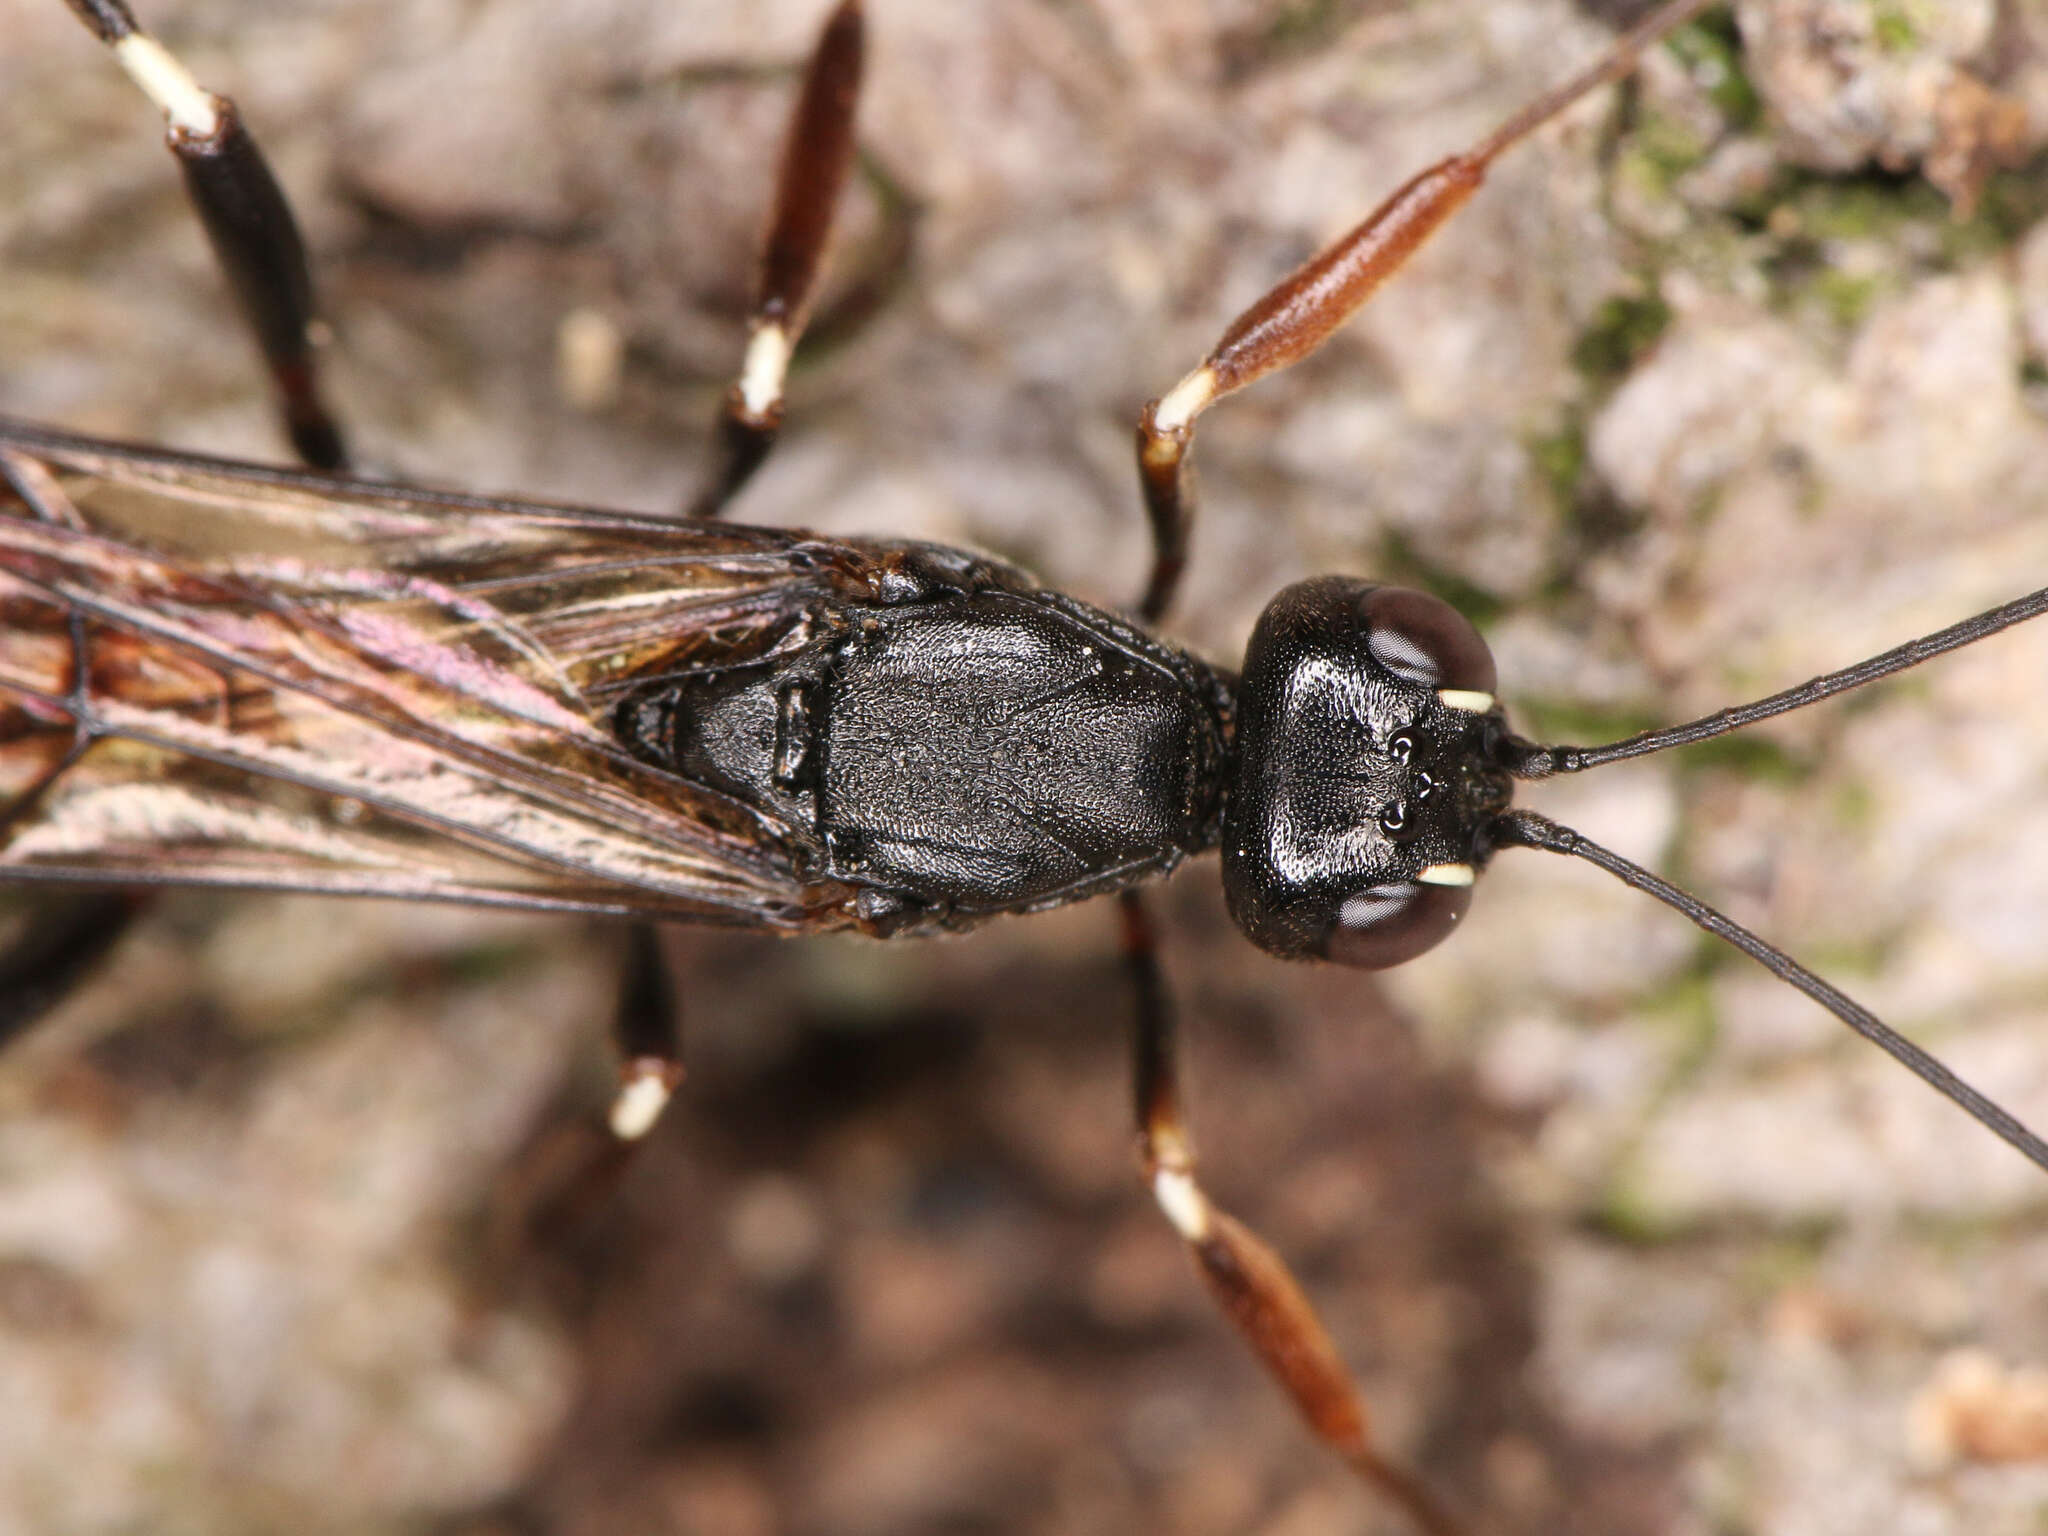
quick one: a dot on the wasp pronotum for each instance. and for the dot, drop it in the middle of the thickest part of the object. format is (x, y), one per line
(1692, 402)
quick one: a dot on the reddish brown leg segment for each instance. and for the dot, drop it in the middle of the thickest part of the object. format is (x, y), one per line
(1250, 1282)
(817, 155)
(1302, 311)
(247, 220)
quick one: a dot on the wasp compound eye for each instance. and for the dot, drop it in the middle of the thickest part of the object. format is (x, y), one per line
(1424, 640)
(1386, 925)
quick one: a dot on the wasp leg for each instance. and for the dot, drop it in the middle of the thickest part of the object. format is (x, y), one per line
(573, 1168)
(247, 220)
(647, 1029)
(1249, 1281)
(1300, 312)
(817, 155)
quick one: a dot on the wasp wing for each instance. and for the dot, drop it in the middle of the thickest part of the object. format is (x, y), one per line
(216, 674)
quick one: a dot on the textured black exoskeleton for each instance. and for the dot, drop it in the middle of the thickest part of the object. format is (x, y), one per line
(975, 744)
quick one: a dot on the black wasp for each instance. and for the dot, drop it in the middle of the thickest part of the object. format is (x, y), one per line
(216, 674)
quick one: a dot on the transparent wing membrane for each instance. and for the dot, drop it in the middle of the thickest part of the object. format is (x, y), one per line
(218, 675)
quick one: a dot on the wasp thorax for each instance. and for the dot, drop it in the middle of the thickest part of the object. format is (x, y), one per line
(1364, 775)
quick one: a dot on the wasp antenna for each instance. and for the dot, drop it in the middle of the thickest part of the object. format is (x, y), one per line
(1526, 829)
(1609, 67)
(1527, 760)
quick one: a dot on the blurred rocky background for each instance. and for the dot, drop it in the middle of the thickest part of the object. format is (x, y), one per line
(1738, 374)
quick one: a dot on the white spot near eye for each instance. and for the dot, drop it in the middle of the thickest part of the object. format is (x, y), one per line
(1447, 874)
(1466, 699)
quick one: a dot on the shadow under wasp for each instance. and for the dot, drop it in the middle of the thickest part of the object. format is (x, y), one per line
(1312, 940)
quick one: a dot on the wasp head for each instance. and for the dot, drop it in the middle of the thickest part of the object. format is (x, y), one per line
(1367, 772)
